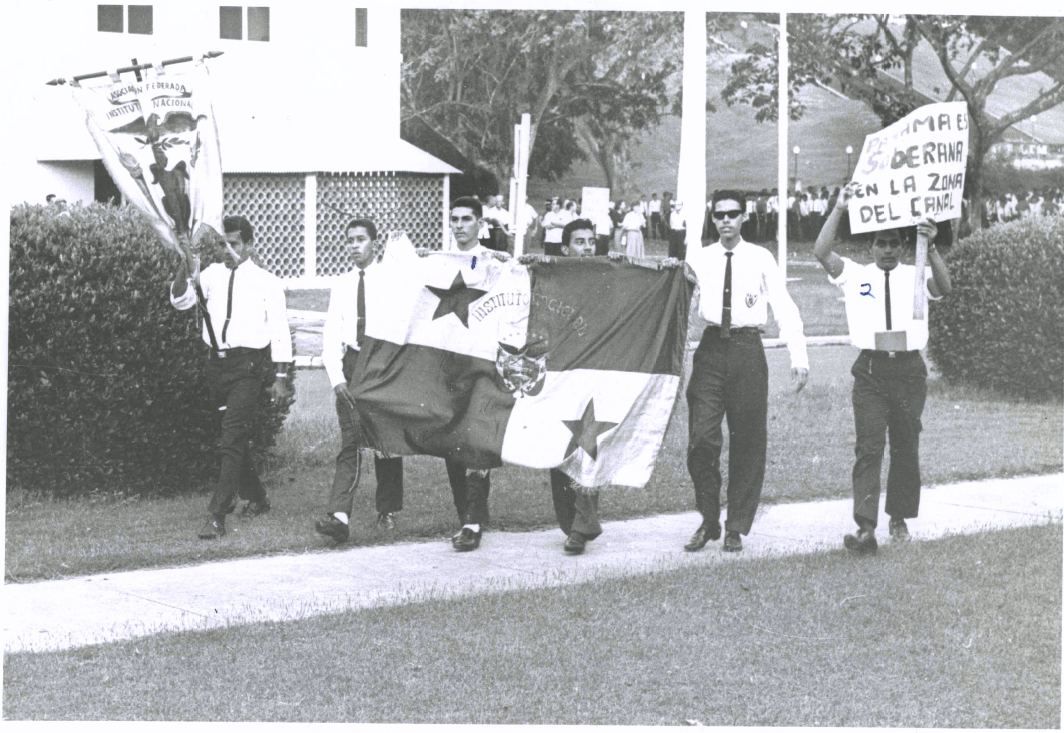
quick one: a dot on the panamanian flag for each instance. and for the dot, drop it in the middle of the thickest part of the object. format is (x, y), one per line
(573, 363)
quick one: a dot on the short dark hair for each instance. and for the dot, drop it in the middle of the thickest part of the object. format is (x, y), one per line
(907, 235)
(574, 225)
(728, 195)
(468, 202)
(369, 226)
(49, 198)
(240, 224)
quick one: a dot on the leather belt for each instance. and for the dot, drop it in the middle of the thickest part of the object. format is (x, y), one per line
(876, 354)
(236, 351)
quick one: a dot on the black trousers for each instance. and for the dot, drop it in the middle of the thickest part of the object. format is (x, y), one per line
(602, 244)
(729, 379)
(349, 461)
(576, 510)
(470, 489)
(888, 398)
(237, 385)
(656, 229)
(677, 245)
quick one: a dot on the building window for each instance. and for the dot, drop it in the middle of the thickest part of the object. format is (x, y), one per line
(360, 27)
(140, 19)
(109, 18)
(258, 24)
(232, 22)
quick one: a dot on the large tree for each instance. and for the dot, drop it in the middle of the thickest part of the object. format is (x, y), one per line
(589, 80)
(856, 52)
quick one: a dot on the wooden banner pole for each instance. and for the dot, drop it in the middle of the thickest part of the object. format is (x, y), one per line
(136, 68)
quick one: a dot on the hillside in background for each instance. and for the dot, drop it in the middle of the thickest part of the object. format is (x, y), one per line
(740, 153)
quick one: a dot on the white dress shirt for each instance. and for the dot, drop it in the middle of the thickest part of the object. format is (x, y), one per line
(341, 322)
(554, 235)
(259, 315)
(756, 284)
(867, 313)
(633, 221)
(677, 220)
(655, 206)
(603, 223)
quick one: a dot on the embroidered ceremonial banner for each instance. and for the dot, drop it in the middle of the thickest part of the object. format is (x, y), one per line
(573, 363)
(159, 142)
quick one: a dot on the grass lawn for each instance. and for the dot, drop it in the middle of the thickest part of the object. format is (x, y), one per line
(968, 434)
(959, 632)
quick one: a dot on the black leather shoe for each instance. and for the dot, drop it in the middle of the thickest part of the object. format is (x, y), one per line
(385, 521)
(332, 528)
(864, 542)
(466, 540)
(706, 532)
(213, 529)
(899, 532)
(255, 508)
(733, 542)
(575, 543)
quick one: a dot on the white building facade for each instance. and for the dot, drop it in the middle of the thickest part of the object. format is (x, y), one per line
(306, 95)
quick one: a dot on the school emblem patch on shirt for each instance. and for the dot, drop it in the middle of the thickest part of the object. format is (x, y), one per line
(751, 298)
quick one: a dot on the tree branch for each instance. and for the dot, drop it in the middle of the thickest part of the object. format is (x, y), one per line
(943, 58)
(1045, 100)
(1011, 60)
(966, 68)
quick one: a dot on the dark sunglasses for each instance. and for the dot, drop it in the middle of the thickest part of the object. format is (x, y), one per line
(720, 215)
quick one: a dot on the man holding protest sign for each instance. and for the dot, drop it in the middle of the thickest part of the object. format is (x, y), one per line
(246, 326)
(887, 322)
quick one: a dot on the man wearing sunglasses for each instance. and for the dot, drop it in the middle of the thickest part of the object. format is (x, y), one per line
(730, 375)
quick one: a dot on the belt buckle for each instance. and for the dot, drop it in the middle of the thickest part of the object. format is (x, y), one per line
(892, 354)
(220, 353)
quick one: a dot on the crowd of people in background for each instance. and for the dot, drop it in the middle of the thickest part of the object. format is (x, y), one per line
(626, 227)
(1001, 207)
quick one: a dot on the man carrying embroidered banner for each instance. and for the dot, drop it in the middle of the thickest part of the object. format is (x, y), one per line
(159, 142)
(450, 371)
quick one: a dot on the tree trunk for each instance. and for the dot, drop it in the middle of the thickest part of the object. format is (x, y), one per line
(977, 150)
(602, 152)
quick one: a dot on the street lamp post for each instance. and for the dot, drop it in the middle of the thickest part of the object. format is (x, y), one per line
(796, 151)
(849, 153)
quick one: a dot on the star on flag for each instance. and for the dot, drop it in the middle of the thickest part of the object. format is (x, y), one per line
(586, 432)
(456, 299)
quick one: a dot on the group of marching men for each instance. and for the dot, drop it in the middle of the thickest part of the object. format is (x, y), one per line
(246, 328)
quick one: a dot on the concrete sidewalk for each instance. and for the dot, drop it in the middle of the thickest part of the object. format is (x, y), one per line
(85, 610)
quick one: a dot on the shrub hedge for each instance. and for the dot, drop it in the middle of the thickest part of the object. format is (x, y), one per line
(1002, 327)
(107, 388)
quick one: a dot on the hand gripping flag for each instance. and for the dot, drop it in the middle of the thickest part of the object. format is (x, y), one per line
(573, 364)
(159, 142)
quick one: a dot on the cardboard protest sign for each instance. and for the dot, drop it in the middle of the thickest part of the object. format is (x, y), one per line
(912, 169)
(159, 142)
(594, 202)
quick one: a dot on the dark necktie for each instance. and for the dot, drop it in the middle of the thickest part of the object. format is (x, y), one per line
(361, 327)
(229, 304)
(886, 294)
(725, 311)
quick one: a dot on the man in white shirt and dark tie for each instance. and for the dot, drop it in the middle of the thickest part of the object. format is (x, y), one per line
(738, 280)
(364, 287)
(245, 324)
(890, 377)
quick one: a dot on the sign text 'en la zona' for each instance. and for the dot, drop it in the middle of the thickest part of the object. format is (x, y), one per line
(912, 157)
